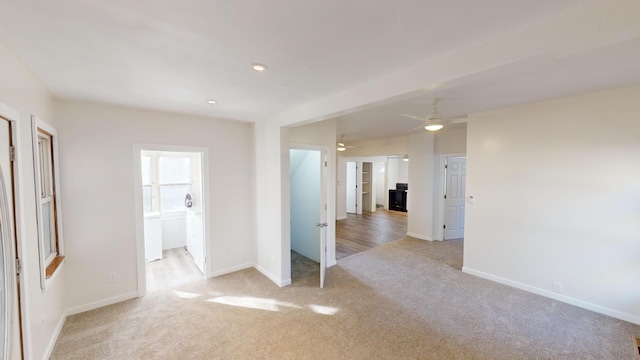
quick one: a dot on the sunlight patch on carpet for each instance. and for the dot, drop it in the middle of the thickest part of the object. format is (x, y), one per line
(323, 310)
(186, 295)
(253, 302)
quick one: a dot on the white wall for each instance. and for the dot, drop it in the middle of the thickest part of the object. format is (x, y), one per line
(398, 171)
(378, 147)
(420, 197)
(271, 203)
(96, 148)
(45, 310)
(557, 193)
(452, 141)
(379, 181)
(305, 202)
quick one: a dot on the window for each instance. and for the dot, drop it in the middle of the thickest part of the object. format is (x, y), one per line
(48, 204)
(166, 179)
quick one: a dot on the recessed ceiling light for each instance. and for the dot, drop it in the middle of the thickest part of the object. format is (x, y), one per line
(259, 67)
(212, 102)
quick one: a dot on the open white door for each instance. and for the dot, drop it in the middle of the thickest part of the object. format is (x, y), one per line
(308, 196)
(10, 344)
(323, 218)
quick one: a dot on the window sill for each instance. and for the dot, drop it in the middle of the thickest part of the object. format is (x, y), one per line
(55, 264)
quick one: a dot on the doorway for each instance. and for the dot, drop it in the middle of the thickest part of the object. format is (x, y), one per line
(308, 226)
(10, 292)
(172, 185)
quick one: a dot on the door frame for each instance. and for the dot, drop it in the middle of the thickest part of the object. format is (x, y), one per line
(19, 228)
(139, 216)
(324, 199)
(346, 183)
(441, 184)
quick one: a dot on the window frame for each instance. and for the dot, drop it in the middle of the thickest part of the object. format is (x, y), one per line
(156, 185)
(47, 190)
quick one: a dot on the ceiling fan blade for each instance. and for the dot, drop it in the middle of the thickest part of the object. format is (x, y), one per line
(415, 117)
(416, 128)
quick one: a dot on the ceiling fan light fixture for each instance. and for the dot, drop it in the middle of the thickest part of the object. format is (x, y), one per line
(259, 67)
(341, 148)
(434, 126)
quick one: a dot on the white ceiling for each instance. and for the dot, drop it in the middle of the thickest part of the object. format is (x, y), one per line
(174, 55)
(604, 68)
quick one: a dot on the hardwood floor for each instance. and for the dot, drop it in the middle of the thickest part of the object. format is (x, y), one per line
(174, 269)
(358, 233)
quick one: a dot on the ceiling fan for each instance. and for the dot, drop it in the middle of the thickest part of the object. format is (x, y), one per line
(433, 122)
(342, 147)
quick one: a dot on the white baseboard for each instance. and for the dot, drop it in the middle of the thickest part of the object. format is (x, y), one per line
(272, 277)
(101, 303)
(54, 337)
(342, 217)
(550, 294)
(418, 236)
(230, 269)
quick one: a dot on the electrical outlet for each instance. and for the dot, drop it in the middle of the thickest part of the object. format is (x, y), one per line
(113, 277)
(558, 287)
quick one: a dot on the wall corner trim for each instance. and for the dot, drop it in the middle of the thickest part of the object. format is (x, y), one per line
(275, 279)
(230, 269)
(635, 319)
(101, 303)
(419, 236)
(54, 338)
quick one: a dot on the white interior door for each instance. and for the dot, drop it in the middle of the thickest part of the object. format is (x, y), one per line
(308, 191)
(456, 169)
(351, 187)
(323, 218)
(10, 324)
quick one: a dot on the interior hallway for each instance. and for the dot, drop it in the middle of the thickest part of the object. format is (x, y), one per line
(358, 233)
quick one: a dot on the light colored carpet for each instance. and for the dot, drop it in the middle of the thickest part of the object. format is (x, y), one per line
(404, 300)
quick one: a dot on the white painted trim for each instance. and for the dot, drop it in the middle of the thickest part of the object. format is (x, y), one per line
(440, 185)
(37, 123)
(342, 218)
(139, 220)
(9, 113)
(419, 236)
(330, 262)
(230, 269)
(13, 116)
(139, 216)
(265, 272)
(56, 334)
(102, 303)
(559, 297)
